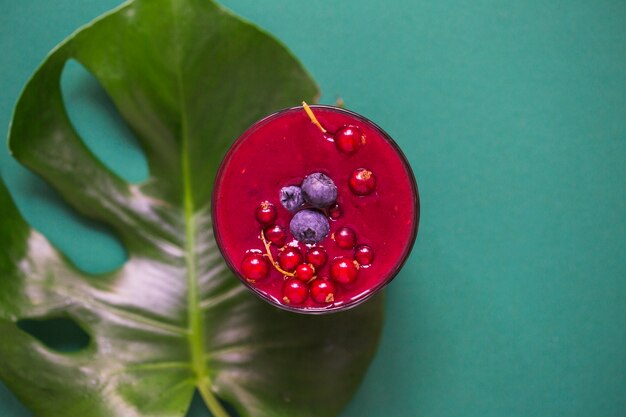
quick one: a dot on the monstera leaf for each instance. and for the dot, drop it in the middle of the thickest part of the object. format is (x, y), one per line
(188, 77)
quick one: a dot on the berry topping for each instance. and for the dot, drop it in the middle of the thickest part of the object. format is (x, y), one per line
(318, 190)
(343, 270)
(291, 197)
(362, 182)
(289, 259)
(265, 213)
(316, 256)
(349, 139)
(276, 234)
(334, 211)
(294, 291)
(254, 267)
(364, 254)
(309, 226)
(323, 290)
(304, 272)
(345, 238)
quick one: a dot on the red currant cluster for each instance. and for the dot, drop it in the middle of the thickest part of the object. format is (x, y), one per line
(300, 271)
(343, 269)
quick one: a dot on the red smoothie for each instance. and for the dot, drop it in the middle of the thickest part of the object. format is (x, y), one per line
(372, 225)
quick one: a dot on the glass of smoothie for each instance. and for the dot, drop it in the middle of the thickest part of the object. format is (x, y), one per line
(315, 209)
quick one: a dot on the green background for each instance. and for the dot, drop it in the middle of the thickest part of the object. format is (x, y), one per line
(513, 116)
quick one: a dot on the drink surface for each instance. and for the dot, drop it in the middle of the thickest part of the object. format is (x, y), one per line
(282, 150)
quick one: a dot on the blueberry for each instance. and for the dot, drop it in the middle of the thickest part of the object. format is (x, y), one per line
(319, 190)
(309, 226)
(291, 197)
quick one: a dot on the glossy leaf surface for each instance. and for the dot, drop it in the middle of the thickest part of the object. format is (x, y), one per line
(188, 77)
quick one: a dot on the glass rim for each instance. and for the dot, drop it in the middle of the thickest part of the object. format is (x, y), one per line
(372, 291)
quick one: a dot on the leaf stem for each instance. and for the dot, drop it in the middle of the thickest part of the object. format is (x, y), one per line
(195, 316)
(210, 400)
(314, 120)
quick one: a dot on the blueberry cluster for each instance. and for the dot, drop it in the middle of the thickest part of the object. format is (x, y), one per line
(317, 191)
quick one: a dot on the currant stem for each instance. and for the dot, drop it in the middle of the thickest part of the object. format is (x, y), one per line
(271, 258)
(314, 120)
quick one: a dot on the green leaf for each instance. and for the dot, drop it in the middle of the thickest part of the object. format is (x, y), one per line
(188, 77)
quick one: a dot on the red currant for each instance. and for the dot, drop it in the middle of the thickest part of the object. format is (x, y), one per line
(295, 291)
(334, 212)
(305, 272)
(265, 213)
(316, 256)
(289, 259)
(349, 139)
(364, 254)
(254, 267)
(344, 270)
(323, 290)
(345, 238)
(276, 234)
(362, 182)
